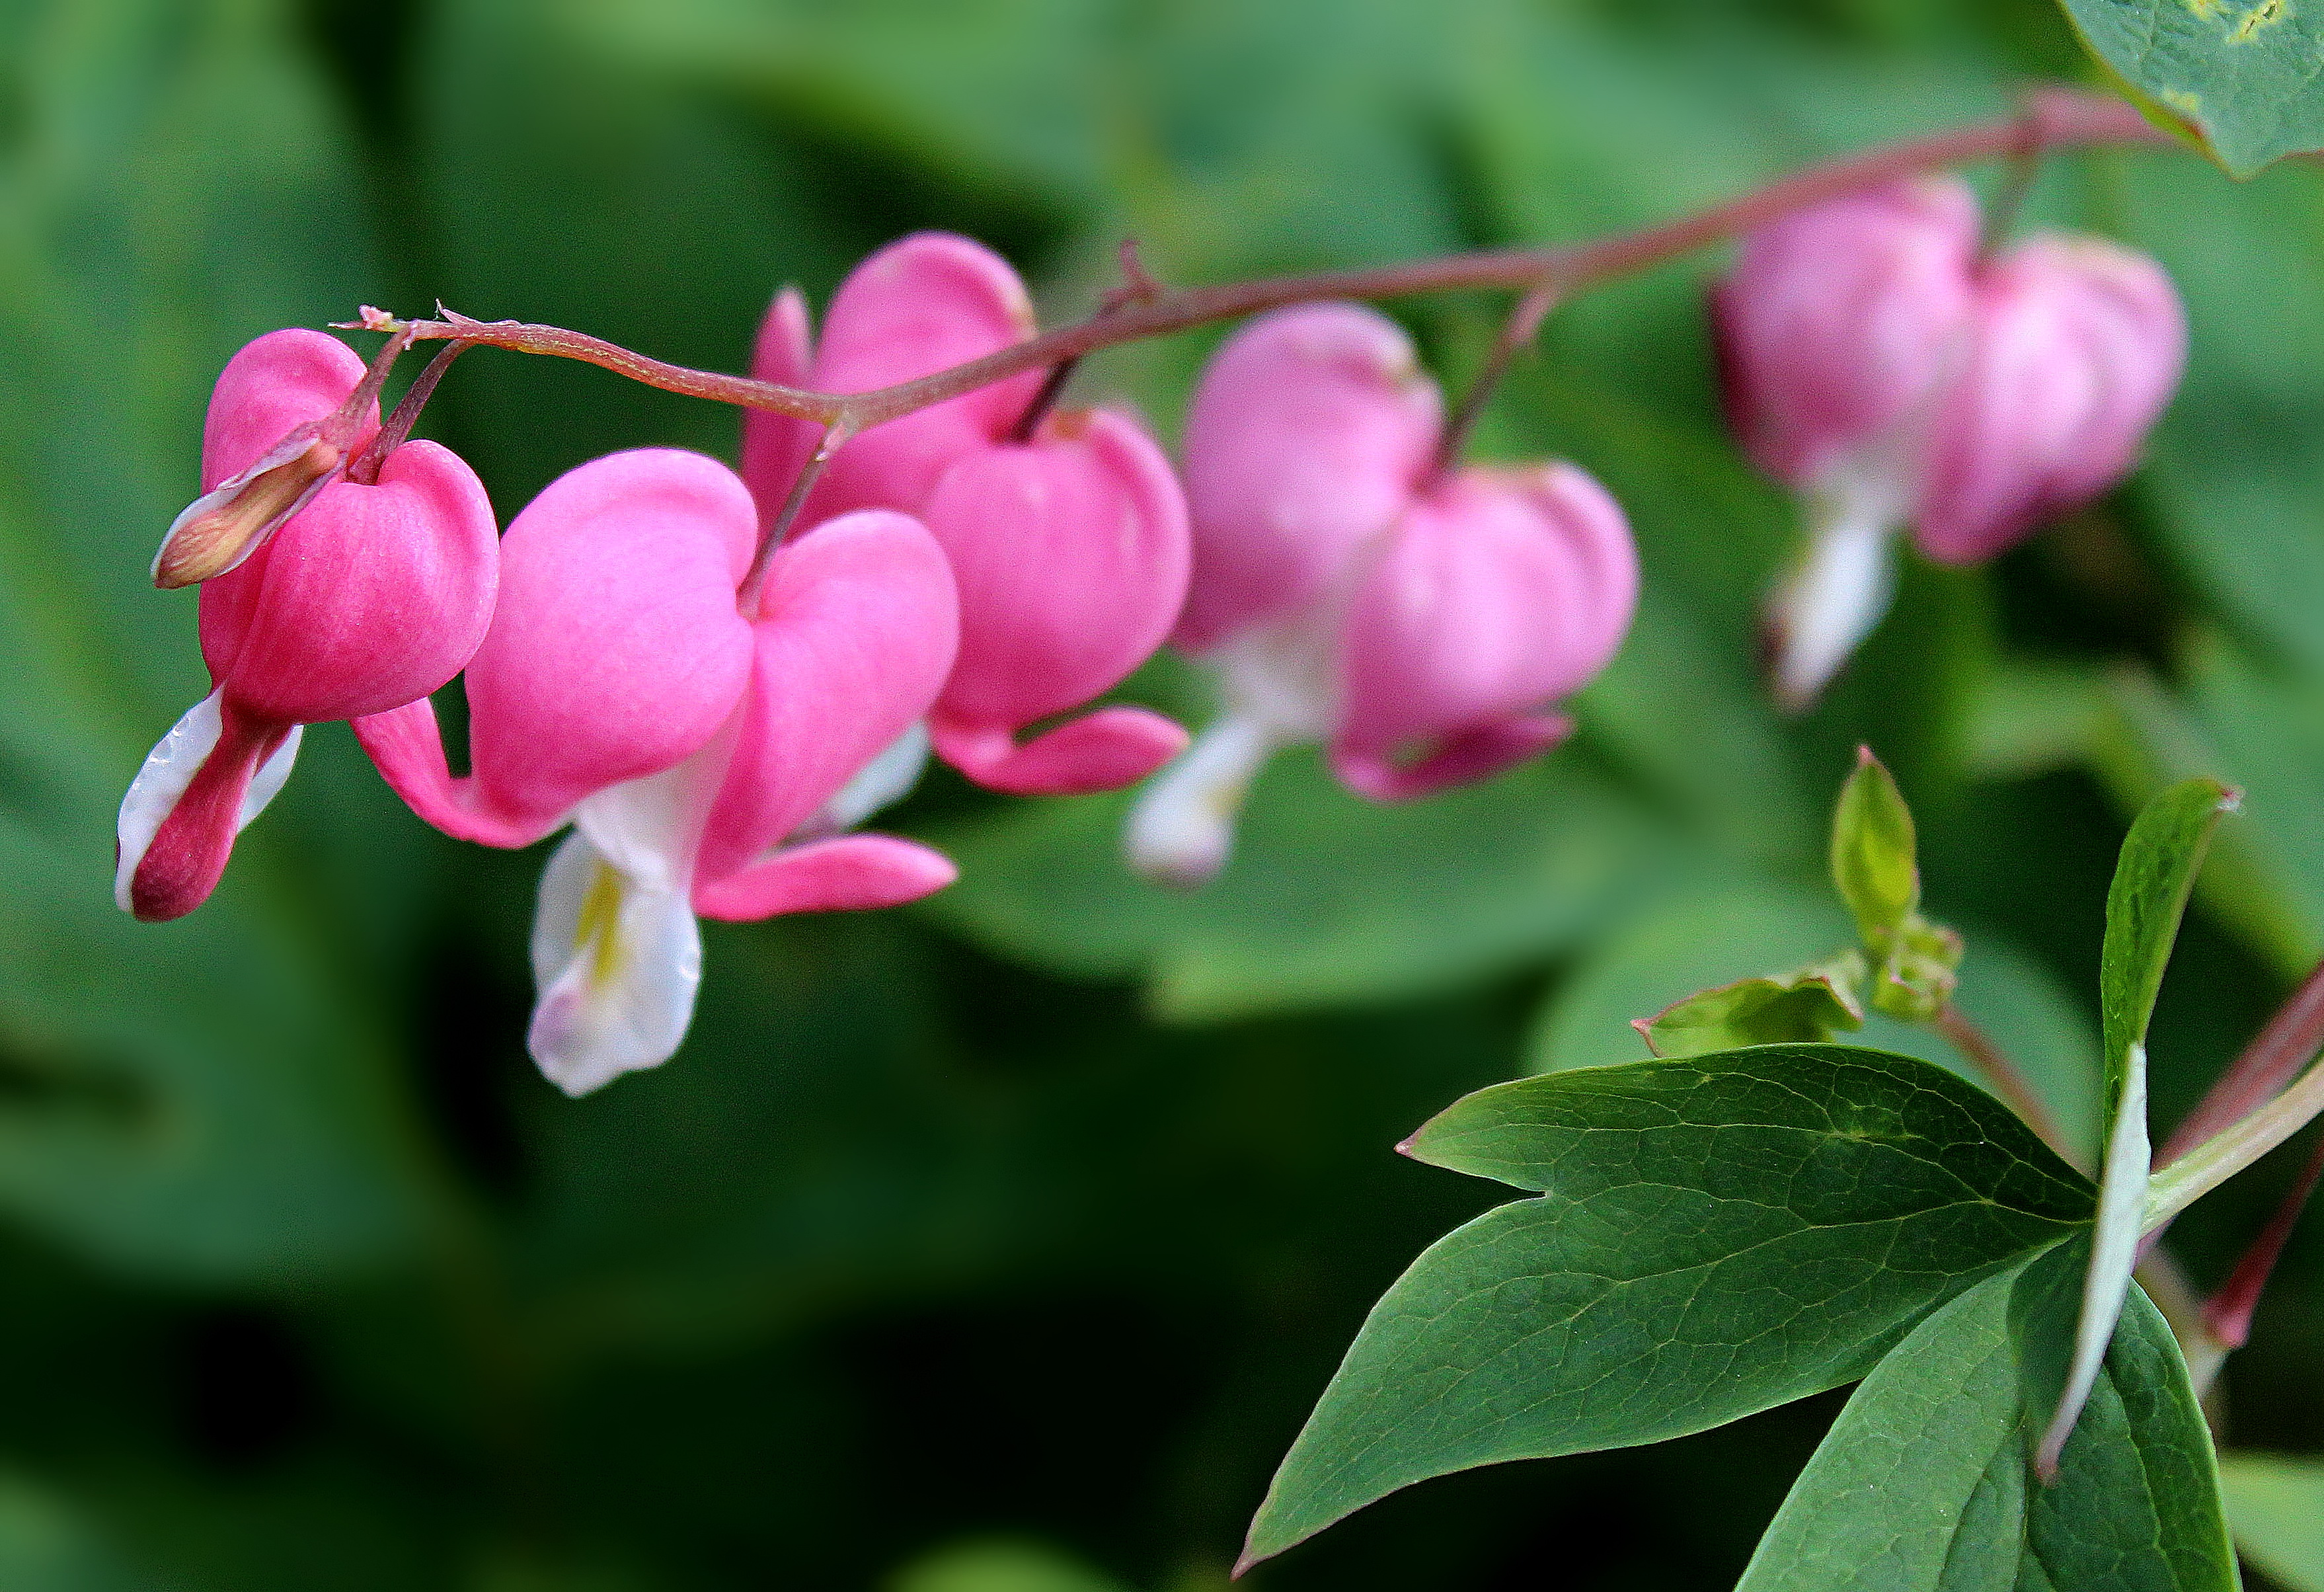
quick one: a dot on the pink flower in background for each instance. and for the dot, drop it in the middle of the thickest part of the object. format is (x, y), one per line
(1876, 365)
(1069, 547)
(924, 303)
(2077, 347)
(1071, 555)
(342, 599)
(707, 761)
(1419, 624)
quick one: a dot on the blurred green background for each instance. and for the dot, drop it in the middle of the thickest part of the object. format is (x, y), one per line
(1001, 1244)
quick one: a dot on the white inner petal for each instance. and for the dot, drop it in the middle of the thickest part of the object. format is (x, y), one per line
(168, 769)
(1285, 676)
(267, 782)
(1841, 587)
(650, 828)
(887, 778)
(618, 963)
(1181, 829)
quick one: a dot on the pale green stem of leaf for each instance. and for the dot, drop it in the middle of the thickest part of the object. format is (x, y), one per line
(2205, 1168)
(2114, 1255)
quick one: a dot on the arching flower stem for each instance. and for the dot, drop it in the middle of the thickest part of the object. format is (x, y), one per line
(746, 597)
(398, 429)
(1517, 332)
(2057, 118)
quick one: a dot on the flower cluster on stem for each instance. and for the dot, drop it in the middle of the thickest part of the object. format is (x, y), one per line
(713, 677)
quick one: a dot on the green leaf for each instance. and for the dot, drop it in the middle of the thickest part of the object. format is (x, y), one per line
(2152, 881)
(1712, 1237)
(1712, 934)
(2240, 74)
(1873, 866)
(1328, 898)
(211, 1098)
(49, 1545)
(1809, 1005)
(2239, 520)
(1922, 1485)
(2277, 1507)
(1000, 1565)
(1875, 870)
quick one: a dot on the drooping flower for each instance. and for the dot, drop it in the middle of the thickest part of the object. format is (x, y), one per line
(340, 599)
(707, 760)
(1069, 545)
(1880, 366)
(1420, 623)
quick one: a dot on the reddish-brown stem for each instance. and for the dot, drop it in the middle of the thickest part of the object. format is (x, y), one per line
(2276, 1055)
(398, 429)
(2229, 1311)
(1053, 386)
(376, 373)
(2024, 166)
(746, 596)
(2007, 1082)
(1516, 331)
(2066, 117)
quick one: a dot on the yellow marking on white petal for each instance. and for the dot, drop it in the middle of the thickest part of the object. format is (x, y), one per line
(598, 932)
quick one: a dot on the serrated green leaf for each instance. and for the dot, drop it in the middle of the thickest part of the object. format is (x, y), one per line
(1922, 1484)
(1806, 1006)
(2239, 74)
(2276, 1508)
(1712, 1237)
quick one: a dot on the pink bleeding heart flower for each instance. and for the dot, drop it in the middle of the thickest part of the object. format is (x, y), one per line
(343, 600)
(1071, 553)
(2076, 347)
(923, 304)
(1420, 623)
(708, 761)
(1875, 363)
(1069, 547)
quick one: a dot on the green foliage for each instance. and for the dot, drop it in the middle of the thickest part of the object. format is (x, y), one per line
(1873, 865)
(1875, 870)
(2276, 1506)
(2152, 881)
(999, 1567)
(1711, 1238)
(210, 1099)
(46, 1545)
(1328, 899)
(2240, 78)
(1809, 1005)
(1923, 1483)
(1715, 935)
(2160, 859)
(929, 1233)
